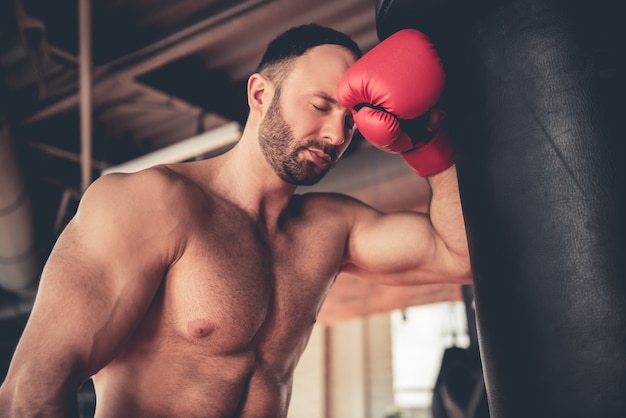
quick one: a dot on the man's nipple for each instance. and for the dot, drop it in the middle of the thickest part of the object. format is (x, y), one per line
(199, 328)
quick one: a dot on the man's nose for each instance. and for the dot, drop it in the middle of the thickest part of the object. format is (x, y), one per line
(335, 131)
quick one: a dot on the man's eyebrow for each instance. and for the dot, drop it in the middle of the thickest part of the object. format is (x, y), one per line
(325, 96)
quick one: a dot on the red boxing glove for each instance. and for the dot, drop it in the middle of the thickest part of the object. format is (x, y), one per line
(391, 91)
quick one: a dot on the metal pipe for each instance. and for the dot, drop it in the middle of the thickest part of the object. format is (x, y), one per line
(85, 67)
(184, 150)
(19, 262)
(66, 155)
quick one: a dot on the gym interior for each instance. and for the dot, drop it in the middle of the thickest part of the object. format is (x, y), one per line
(535, 91)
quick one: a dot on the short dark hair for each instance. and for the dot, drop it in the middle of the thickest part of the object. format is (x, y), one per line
(295, 42)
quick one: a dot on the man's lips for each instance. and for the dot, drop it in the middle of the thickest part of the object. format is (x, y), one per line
(319, 157)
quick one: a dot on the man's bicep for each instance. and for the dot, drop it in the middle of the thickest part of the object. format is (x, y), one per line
(389, 245)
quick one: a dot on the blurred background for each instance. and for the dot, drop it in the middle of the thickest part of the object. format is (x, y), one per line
(91, 87)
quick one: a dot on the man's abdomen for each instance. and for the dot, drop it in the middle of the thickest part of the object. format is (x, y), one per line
(187, 384)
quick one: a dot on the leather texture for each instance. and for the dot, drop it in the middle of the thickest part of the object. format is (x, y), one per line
(536, 108)
(397, 81)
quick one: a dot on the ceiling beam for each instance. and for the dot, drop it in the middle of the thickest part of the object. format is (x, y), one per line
(183, 43)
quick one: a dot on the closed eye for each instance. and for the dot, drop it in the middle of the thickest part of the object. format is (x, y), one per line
(321, 109)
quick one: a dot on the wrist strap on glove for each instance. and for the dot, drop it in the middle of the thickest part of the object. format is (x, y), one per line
(432, 157)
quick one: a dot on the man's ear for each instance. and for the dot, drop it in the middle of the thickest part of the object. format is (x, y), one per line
(260, 92)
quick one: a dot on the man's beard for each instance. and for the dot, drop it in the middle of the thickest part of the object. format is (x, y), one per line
(276, 139)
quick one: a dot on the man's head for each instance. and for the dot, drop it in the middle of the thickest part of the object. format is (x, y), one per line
(293, 43)
(304, 129)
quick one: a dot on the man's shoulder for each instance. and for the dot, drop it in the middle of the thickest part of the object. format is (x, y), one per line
(161, 181)
(155, 190)
(159, 175)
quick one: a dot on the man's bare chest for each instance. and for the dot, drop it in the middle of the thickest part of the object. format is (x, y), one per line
(233, 289)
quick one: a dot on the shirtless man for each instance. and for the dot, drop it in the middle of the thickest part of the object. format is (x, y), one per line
(190, 290)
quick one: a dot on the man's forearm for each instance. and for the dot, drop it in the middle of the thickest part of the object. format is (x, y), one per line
(24, 407)
(29, 397)
(446, 214)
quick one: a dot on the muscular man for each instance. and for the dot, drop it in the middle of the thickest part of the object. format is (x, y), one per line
(190, 290)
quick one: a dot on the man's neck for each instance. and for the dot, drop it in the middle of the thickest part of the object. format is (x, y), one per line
(248, 181)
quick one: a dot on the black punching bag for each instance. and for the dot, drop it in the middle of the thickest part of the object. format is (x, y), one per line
(537, 111)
